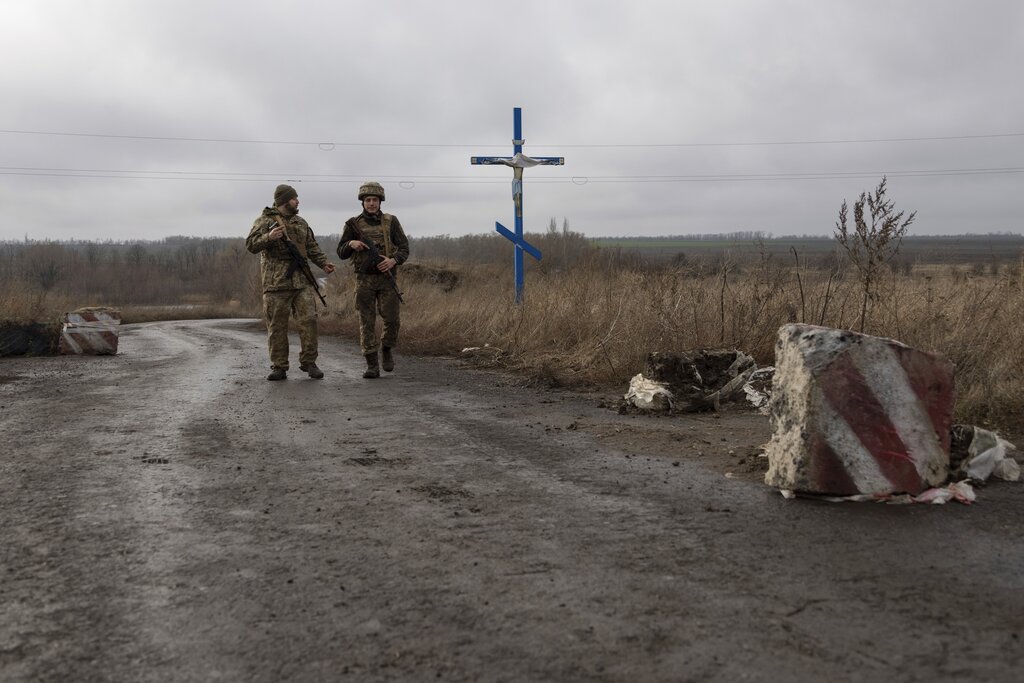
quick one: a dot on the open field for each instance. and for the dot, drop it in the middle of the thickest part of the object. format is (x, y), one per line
(916, 250)
(591, 314)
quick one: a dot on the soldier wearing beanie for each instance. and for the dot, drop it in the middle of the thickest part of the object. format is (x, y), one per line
(376, 288)
(286, 290)
(284, 194)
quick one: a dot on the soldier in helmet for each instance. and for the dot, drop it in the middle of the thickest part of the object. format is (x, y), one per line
(286, 289)
(375, 233)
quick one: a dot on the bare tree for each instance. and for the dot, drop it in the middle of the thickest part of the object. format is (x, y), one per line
(136, 254)
(44, 265)
(872, 242)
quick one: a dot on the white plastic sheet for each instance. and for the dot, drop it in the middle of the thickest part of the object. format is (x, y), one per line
(988, 457)
(758, 388)
(647, 394)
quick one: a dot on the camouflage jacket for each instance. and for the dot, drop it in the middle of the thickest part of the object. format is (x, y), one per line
(396, 245)
(274, 256)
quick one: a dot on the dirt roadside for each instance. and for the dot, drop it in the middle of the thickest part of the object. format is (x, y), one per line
(168, 514)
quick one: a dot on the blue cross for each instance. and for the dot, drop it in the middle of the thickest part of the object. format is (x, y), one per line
(518, 161)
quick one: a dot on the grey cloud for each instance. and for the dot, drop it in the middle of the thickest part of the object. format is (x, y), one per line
(449, 73)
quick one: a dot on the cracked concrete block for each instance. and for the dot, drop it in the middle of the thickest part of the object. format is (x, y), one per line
(852, 413)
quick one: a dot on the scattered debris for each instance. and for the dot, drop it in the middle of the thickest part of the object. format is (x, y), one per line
(960, 491)
(689, 382)
(978, 454)
(486, 349)
(758, 389)
(647, 394)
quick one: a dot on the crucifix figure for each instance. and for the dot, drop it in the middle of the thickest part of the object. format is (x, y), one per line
(518, 161)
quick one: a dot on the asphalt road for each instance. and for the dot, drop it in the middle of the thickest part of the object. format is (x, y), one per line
(169, 515)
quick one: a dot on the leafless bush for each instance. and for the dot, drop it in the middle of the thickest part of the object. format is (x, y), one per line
(871, 245)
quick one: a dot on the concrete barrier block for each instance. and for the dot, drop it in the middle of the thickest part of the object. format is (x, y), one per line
(90, 331)
(852, 413)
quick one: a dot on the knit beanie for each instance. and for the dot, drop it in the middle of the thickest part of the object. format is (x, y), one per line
(284, 194)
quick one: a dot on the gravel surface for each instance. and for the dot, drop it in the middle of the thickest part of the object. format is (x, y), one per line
(169, 515)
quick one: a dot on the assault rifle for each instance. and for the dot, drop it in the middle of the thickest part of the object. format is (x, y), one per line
(370, 265)
(299, 261)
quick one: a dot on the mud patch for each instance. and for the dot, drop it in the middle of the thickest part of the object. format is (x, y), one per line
(439, 492)
(371, 459)
(366, 462)
(206, 437)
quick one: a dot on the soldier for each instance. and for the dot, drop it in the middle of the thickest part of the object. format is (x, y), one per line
(286, 288)
(376, 286)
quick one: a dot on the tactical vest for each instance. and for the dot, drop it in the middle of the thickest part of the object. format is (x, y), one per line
(379, 234)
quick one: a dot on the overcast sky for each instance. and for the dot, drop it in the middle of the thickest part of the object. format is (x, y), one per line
(141, 120)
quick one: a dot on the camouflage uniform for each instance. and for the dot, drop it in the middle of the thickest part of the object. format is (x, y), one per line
(282, 293)
(374, 292)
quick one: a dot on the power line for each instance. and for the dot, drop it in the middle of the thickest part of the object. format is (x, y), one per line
(328, 146)
(476, 180)
(227, 173)
(292, 178)
(797, 142)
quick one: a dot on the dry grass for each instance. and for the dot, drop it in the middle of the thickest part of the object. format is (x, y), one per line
(229, 309)
(21, 304)
(593, 323)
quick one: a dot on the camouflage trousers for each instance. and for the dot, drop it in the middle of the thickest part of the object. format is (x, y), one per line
(374, 295)
(277, 307)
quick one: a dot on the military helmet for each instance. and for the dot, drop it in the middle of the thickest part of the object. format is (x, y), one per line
(371, 188)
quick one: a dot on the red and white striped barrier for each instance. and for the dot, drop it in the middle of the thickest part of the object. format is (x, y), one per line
(90, 331)
(855, 414)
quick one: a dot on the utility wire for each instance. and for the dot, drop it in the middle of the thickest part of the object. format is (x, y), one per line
(328, 146)
(476, 180)
(228, 173)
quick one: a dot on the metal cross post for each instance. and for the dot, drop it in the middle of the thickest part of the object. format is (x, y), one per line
(518, 161)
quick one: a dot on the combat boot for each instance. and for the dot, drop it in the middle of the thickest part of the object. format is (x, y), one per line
(372, 369)
(387, 361)
(277, 374)
(312, 370)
